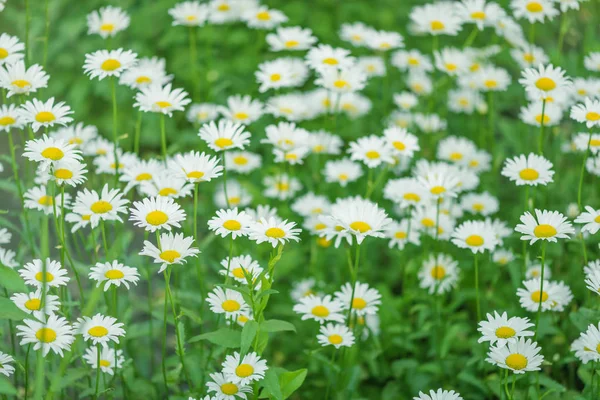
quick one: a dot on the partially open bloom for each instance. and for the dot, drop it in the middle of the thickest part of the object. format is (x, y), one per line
(110, 359)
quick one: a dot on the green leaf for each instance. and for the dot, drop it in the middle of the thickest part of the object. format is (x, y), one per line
(223, 337)
(8, 310)
(6, 387)
(271, 385)
(71, 377)
(276, 325)
(10, 279)
(248, 333)
(291, 381)
(549, 383)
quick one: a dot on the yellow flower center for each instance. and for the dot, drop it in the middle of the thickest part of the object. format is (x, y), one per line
(114, 274)
(534, 7)
(400, 235)
(594, 142)
(330, 61)
(372, 154)
(53, 153)
(33, 304)
(474, 240)
(516, 361)
(437, 190)
(104, 363)
(323, 242)
(399, 146)
(437, 25)
(223, 7)
(107, 27)
(46, 201)
(195, 174)
(282, 186)
(335, 339)
(538, 119)
(3, 53)
(75, 140)
(545, 84)
(274, 232)
(360, 226)
(230, 305)
(592, 116)
(46, 335)
(235, 200)
(238, 272)
(156, 218)
(232, 225)
(478, 15)
(167, 191)
(438, 272)
(505, 332)
(291, 156)
(490, 83)
(528, 57)
(263, 16)
(340, 84)
(143, 79)
(529, 174)
(291, 43)
(428, 222)
(110, 65)
(101, 207)
(191, 18)
(223, 142)
(597, 219)
(144, 176)
(320, 311)
(478, 207)
(535, 296)
(40, 277)
(98, 331)
(163, 104)
(275, 77)
(411, 197)
(44, 116)
(63, 173)
(229, 389)
(359, 303)
(240, 160)
(320, 226)
(7, 120)
(544, 231)
(451, 67)
(244, 370)
(169, 255)
(343, 177)
(413, 61)
(456, 156)
(20, 83)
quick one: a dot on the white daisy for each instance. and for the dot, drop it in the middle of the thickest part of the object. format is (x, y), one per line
(105, 206)
(228, 302)
(474, 235)
(544, 81)
(336, 335)
(320, 309)
(499, 330)
(244, 370)
(10, 117)
(365, 300)
(528, 170)
(224, 388)
(107, 22)
(11, 49)
(17, 79)
(109, 359)
(37, 198)
(189, 13)
(157, 213)
(263, 18)
(342, 171)
(54, 334)
(33, 274)
(99, 329)
(438, 274)
(242, 109)
(591, 218)
(47, 151)
(173, 248)
(36, 303)
(534, 10)
(114, 273)
(40, 114)
(230, 222)
(274, 231)
(291, 38)
(108, 63)
(520, 356)
(225, 135)
(5, 360)
(546, 225)
(161, 99)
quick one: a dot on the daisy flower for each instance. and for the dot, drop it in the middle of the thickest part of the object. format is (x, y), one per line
(54, 334)
(64, 172)
(225, 135)
(281, 186)
(440, 184)
(79, 134)
(411, 60)
(440, 394)
(40, 114)
(544, 81)
(242, 162)
(237, 196)
(451, 61)
(195, 167)
(157, 213)
(240, 267)
(37, 199)
(336, 335)
(189, 13)
(534, 10)
(107, 22)
(99, 329)
(583, 141)
(228, 302)
(371, 65)
(474, 235)
(274, 231)
(529, 170)
(403, 143)
(5, 368)
(107, 163)
(33, 274)
(406, 100)
(480, 203)
(5, 236)
(499, 330)
(274, 74)
(324, 56)
(225, 11)
(546, 225)
(172, 249)
(105, 206)
(17, 79)
(359, 217)
(399, 235)
(592, 281)
(529, 56)
(109, 359)
(166, 184)
(520, 356)
(199, 113)
(230, 222)
(436, 19)
(244, 370)
(7, 258)
(591, 218)
(589, 112)
(591, 61)
(114, 273)
(384, 40)
(372, 151)
(311, 204)
(242, 109)
(344, 80)
(320, 309)
(291, 38)
(10, 117)
(47, 151)
(146, 72)
(438, 274)
(479, 12)
(224, 388)
(537, 113)
(455, 149)
(420, 84)
(365, 300)
(263, 18)
(161, 99)
(107, 63)
(405, 192)
(32, 303)
(323, 142)
(11, 49)
(492, 79)
(342, 171)
(584, 353)
(553, 297)
(355, 33)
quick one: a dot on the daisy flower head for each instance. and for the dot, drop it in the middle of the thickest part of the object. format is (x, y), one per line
(342, 171)
(110, 359)
(591, 343)
(107, 63)
(325, 56)
(291, 38)
(584, 353)
(371, 65)
(195, 167)
(78, 134)
(359, 217)
(554, 296)
(161, 99)
(230, 222)
(244, 370)
(440, 184)
(17, 79)
(480, 203)
(48, 151)
(365, 300)
(241, 266)
(475, 236)
(544, 81)
(499, 330)
(534, 10)
(146, 72)
(439, 274)
(589, 112)
(384, 40)
(242, 109)
(173, 248)
(33, 274)
(452, 61)
(189, 13)
(344, 80)
(411, 60)
(242, 162)
(591, 218)
(36, 304)
(157, 213)
(228, 302)
(225, 135)
(37, 198)
(529, 56)
(455, 149)
(355, 33)
(5, 368)
(590, 61)
(11, 49)
(405, 192)
(263, 18)
(53, 334)
(10, 117)
(440, 394)
(592, 281)
(534, 270)
(286, 136)
(114, 273)
(492, 79)
(235, 196)
(274, 74)
(546, 225)
(320, 309)
(479, 12)
(225, 389)
(281, 186)
(336, 335)
(166, 184)
(99, 329)
(274, 231)
(199, 113)
(62, 172)
(107, 21)
(436, 19)
(520, 356)
(529, 170)
(5, 236)
(583, 141)
(105, 206)
(372, 151)
(311, 204)
(464, 100)
(538, 113)
(406, 100)
(419, 83)
(403, 143)
(45, 114)
(430, 123)
(400, 235)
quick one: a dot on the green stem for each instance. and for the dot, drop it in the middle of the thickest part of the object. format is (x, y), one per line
(138, 130)
(104, 242)
(115, 130)
(477, 296)
(471, 37)
(27, 370)
(225, 178)
(541, 141)
(353, 278)
(98, 351)
(163, 138)
(27, 19)
(539, 312)
(582, 171)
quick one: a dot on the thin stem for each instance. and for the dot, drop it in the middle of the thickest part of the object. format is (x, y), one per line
(115, 130)
(541, 294)
(104, 242)
(27, 18)
(27, 370)
(163, 137)
(477, 296)
(582, 171)
(353, 277)
(98, 351)
(541, 140)
(471, 37)
(136, 137)
(223, 159)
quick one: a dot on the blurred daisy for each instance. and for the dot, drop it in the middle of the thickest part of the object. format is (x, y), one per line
(195, 167)
(263, 18)
(400, 234)
(107, 22)
(5, 236)
(535, 271)
(451, 61)
(320, 309)
(474, 235)
(54, 334)
(403, 143)
(480, 203)
(10, 117)
(156, 213)
(440, 394)
(405, 192)
(244, 370)
(173, 248)
(310, 204)
(528, 170)
(440, 184)
(5, 368)
(110, 359)
(365, 300)
(105, 206)
(592, 281)
(161, 99)
(224, 388)
(291, 38)
(406, 100)
(10, 49)
(529, 56)
(242, 162)
(107, 63)
(40, 114)
(371, 65)
(590, 61)
(359, 217)
(589, 112)
(237, 196)
(336, 335)
(228, 302)
(371, 150)
(324, 56)
(147, 71)
(492, 79)
(591, 218)
(199, 113)
(166, 184)
(436, 19)
(114, 273)
(533, 10)
(17, 79)
(342, 171)
(274, 231)
(345, 80)
(438, 274)
(547, 225)
(240, 267)
(79, 134)
(33, 274)
(520, 356)
(224, 136)
(242, 109)
(537, 112)
(411, 60)
(544, 81)
(384, 40)
(356, 33)
(37, 198)
(499, 330)
(230, 222)
(37, 304)
(479, 12)
(274, 74)
(282, 186)
(7, 258)
(189, 13)
(99, 329)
